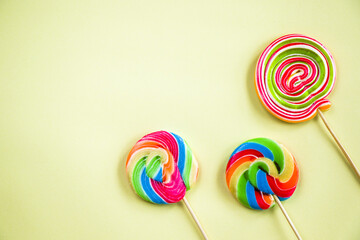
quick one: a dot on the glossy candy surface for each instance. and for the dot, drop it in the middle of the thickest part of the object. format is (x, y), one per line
(161, 167)
(294, 75)
(259, 168)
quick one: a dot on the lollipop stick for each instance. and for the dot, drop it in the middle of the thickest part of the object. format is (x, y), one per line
(277, 200)
(352, 164)
(195, 218)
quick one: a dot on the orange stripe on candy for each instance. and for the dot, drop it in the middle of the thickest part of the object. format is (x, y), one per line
(235, 165)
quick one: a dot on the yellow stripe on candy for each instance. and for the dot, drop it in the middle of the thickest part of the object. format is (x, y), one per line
(236, 176)
(288, 166)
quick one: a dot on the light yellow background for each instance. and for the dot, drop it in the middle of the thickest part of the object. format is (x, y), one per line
(82, 81)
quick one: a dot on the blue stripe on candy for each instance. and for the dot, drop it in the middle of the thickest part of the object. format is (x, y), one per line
(254, 146)
(146, 185)
(262, 183)
(181, 153)
(158, 176)
(250, 194)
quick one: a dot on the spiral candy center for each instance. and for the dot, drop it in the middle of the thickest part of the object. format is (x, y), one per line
(294, 75)
(159, 164)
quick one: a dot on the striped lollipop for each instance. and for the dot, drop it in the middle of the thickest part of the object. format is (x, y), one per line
(261, 171)
(161, 168)
(294, 75)
(258, 169)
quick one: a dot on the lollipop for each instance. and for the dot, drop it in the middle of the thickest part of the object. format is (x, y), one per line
(161, 168)
(261, 171)
(294, 75)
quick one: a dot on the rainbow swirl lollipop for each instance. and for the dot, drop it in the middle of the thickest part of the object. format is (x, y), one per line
(294, 75)
(258, 169)
(161, 167)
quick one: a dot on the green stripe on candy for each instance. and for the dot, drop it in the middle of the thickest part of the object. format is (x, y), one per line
(241, 189)
(253, 170)
(153, 166)
(136, 178)
(188, 164)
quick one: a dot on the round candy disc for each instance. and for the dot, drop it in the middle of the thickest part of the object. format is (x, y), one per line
(259, 168)
(161, 167)
(294, 75)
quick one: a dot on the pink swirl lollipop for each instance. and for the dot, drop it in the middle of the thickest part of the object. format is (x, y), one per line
(162, 168)
(294, 75)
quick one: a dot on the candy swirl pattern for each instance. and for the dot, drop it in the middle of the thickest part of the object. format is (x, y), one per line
(294, 75)
(161, 167)
(258, 169)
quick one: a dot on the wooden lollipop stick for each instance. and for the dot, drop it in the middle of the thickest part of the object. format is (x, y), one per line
(195, 218)
(352, 164)
(277, 200)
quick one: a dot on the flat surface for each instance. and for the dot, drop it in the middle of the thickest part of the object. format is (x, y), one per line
(82, 81)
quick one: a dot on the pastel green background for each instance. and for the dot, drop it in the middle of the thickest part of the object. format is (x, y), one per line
(82, 81)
